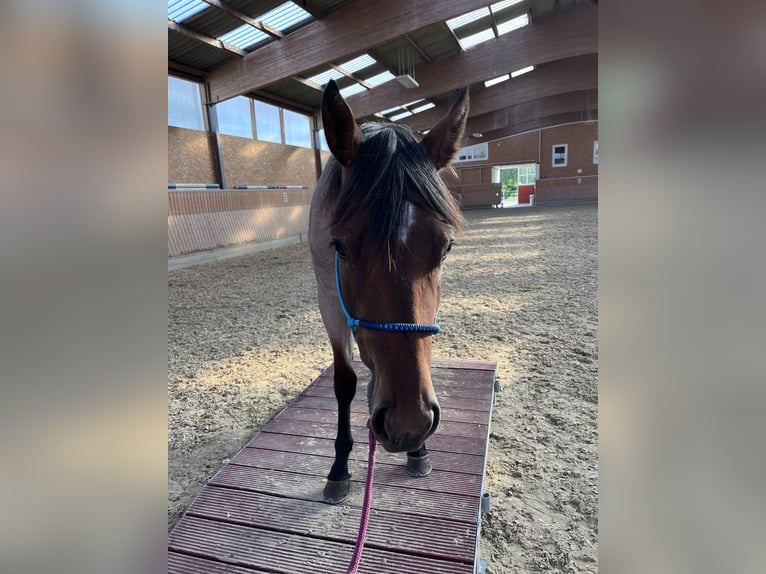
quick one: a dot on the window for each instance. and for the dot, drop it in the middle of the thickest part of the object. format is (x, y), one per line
(297, 129)
(267, 124)
(234, 117)
(595, 152)
(560, 155)
(184, 104)
(527, 174)
(473, 152)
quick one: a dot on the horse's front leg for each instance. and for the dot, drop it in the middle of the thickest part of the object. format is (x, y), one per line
(419, 462)
(344, 381)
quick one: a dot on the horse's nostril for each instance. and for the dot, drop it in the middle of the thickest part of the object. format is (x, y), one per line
(437, 417)
(379, 422)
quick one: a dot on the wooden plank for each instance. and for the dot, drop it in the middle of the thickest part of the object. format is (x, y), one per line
(451, 406)
(388, 474)
(426, 536)
(456, 462)
(443, 380)
(323, 430)
(449, 369)
(535, 124)
(265, 512)
(442, 390)
(360, 26)
(448, 427)
(307, 487)
(293, 554)
(528, 111)
(185, 564)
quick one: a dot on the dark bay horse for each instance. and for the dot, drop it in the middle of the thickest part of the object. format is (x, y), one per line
(382, 222)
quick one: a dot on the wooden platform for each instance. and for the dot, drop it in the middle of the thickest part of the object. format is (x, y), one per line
(264, 512)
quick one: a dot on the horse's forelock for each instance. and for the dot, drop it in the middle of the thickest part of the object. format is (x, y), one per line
(389, 164)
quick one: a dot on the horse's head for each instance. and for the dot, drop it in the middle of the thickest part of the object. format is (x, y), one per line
(393, 222)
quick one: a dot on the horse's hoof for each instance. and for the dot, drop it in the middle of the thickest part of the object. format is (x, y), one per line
(419, 466)
(336, 491)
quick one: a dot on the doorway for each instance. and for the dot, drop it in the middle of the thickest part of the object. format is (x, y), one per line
(511, 178)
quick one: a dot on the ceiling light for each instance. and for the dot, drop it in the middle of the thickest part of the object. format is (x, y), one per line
(522, 71)
(407, 81)
(497, 80)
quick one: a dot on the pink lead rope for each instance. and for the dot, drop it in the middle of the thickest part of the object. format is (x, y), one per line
(357, 557)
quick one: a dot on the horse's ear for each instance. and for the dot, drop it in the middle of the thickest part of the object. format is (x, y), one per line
(340, 129)
(443, 141)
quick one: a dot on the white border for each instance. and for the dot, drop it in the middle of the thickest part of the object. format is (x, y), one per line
(566, 155)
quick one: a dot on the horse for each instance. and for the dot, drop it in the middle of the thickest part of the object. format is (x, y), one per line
(381, 224)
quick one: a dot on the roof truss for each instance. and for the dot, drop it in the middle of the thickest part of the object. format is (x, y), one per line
(564, 36)
(362, 25)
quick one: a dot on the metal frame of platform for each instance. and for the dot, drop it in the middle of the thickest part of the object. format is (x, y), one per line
(264, 511)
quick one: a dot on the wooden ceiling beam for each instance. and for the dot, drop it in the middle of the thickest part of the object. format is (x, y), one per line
(567, 35)
(258, 25)
(570, 75)
(533, 124)
(187, 72)
(214, 42)
(358, 27)
(563, 103)
(315, 12)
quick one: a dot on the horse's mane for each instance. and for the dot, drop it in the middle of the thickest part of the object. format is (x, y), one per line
(388, 168)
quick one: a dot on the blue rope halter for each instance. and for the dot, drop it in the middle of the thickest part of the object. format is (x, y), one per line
(390, 327)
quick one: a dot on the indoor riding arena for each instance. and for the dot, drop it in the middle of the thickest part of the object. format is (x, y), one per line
(251, 409)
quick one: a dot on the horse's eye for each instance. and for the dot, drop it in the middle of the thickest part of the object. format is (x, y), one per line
(447, 249)
(339, 249)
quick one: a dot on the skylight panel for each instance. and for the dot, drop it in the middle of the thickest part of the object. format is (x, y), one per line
(496, 80)
(478, 38)
(460, 21)
(180, 10)
(522, 71)
(424, 107)
(244, 36)
(389, 110)
(413, 102)
(381, 78)
(324, 77)
(400, 116)
(512, 24)
(352, 89)
(285, 16)
(504, 4)
(358, 63)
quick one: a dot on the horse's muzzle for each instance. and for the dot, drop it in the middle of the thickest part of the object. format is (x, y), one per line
(397, 433)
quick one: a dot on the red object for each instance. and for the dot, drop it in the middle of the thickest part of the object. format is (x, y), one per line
(524, 192)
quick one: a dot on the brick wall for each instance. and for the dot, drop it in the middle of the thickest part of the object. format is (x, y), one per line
(472, 180)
